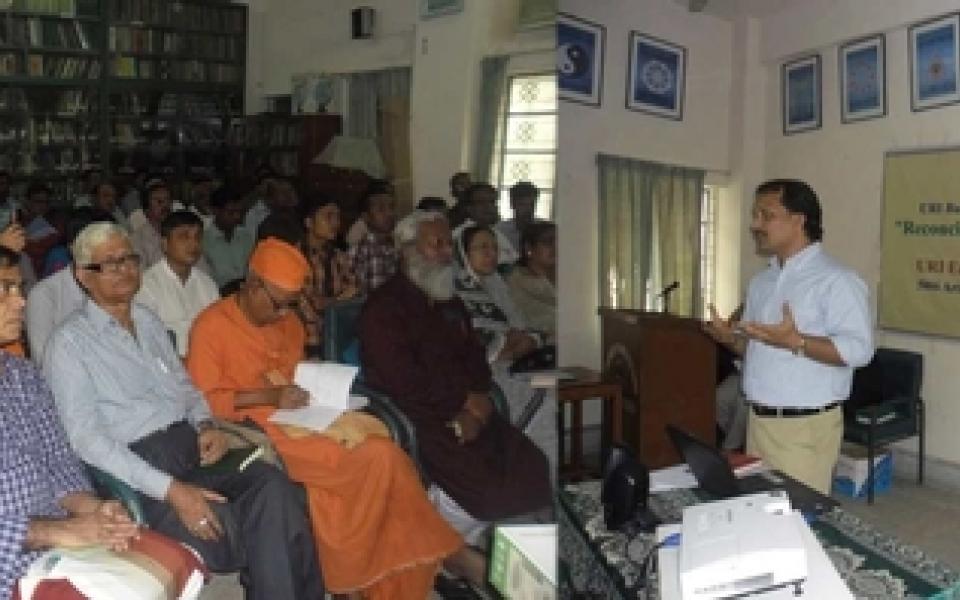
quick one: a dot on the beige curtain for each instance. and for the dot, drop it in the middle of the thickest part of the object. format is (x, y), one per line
(395, 147)
(649, 234)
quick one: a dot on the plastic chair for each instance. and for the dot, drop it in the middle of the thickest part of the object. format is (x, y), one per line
(885, 406)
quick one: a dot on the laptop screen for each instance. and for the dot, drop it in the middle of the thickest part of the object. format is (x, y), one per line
(709, 467)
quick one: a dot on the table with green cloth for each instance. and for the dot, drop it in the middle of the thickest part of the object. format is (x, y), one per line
(594, 561)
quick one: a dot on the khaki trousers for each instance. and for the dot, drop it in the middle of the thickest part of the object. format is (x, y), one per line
(805, 448)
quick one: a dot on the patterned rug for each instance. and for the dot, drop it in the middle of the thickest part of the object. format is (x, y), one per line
(595, 562)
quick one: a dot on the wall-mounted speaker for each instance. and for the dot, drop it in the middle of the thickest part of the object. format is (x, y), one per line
(361, 20)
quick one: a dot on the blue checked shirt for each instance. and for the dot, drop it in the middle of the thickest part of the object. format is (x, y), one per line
(37, 467)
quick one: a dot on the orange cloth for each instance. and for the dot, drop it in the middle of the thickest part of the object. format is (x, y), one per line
(376, 530)
(279, 263)
(15, 348)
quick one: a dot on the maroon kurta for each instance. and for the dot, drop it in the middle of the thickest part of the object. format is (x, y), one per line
(425, 356)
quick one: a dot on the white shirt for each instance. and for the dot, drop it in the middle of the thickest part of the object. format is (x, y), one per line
(826, 299)
(175, 302)
(512, 232)
(48, 304)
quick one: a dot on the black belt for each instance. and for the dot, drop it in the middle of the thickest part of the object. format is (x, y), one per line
(770, 411)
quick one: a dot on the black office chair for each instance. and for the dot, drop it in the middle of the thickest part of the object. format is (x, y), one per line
(885, 406)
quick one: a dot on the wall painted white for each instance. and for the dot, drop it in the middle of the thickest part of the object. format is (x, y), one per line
(701, 139)
(300, 36)
(732, 125)
(844, 163)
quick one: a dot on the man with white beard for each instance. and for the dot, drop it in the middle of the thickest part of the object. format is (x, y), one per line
(417, 346)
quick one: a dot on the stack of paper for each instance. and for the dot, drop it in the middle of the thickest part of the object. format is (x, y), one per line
(329, 387)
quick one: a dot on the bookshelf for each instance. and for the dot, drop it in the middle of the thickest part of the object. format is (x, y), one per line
(118, 83)
(288, 143)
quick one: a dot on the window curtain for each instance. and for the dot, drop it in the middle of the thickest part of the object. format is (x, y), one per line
(366, 94)
(649, 234)
(493, 82)
(378, 108)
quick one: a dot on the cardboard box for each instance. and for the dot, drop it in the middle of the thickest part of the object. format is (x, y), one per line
(850, 475)
(523, 563)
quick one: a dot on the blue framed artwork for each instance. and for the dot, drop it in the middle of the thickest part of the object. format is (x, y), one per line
(933, 63)
(655, 82)
(800, 89)
(863, 79)
(579, 59)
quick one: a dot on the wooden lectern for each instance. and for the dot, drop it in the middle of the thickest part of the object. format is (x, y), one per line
(667, 367)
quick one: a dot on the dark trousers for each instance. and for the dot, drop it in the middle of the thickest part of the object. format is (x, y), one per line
(267, 535)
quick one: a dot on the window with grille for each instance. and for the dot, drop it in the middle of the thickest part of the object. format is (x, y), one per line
(708, 245)
(528, 140)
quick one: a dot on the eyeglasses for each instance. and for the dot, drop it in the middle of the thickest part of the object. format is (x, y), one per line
(11, 288)
(113, 266)
(277, 305)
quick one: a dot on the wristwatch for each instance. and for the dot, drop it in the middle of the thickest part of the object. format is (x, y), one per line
(457, 429)
(801, 348)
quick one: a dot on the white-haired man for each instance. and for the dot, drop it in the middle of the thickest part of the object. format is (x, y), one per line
(130, 409)
(418, 346)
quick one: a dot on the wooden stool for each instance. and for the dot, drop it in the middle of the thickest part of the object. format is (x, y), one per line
(587, 385)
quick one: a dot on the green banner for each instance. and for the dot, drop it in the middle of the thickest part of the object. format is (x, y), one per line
(920, 262)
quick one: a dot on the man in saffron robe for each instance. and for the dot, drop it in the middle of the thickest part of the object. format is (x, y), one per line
(376, 531)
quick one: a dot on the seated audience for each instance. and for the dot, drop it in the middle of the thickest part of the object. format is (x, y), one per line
(459, 184)
(376, 531)
(480, 203)
(146, 236)
(226, 242)
(53, 298)
(173, 288)
(40, 234)
(279, 195)
(496, 320)
(58, 255)
(501, 329)
(533, 282)
(374, 258)
(105, 199)
(434, 203)
(418, 346)
(201, 188)
(330, 278)
(284, 227)
(130, 409)
(523, 202)
(8, 202)
(46, 501)
(90, 177)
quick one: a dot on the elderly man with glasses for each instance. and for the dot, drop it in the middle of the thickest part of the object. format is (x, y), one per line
(130, 409)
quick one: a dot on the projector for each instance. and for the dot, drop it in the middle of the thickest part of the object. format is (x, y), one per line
(741, 546)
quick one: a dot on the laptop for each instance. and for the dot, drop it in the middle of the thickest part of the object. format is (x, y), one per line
(715, 476)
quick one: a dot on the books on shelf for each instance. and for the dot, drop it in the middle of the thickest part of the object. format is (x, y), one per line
(9, 63)
(51, 7)
(40, 33)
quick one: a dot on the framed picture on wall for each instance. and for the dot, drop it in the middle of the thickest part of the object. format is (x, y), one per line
(436, 8)
(933, 63)
(863, 79)
(579, 59)
(800, 89)
(655, 81)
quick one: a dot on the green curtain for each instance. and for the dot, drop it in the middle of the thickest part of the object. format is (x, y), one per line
(649, 234)
(493, 82)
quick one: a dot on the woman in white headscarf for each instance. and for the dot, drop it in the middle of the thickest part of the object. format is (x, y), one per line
(494, 314)
(505, 335)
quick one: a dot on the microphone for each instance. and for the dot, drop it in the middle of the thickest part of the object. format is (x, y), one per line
(673, 286)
